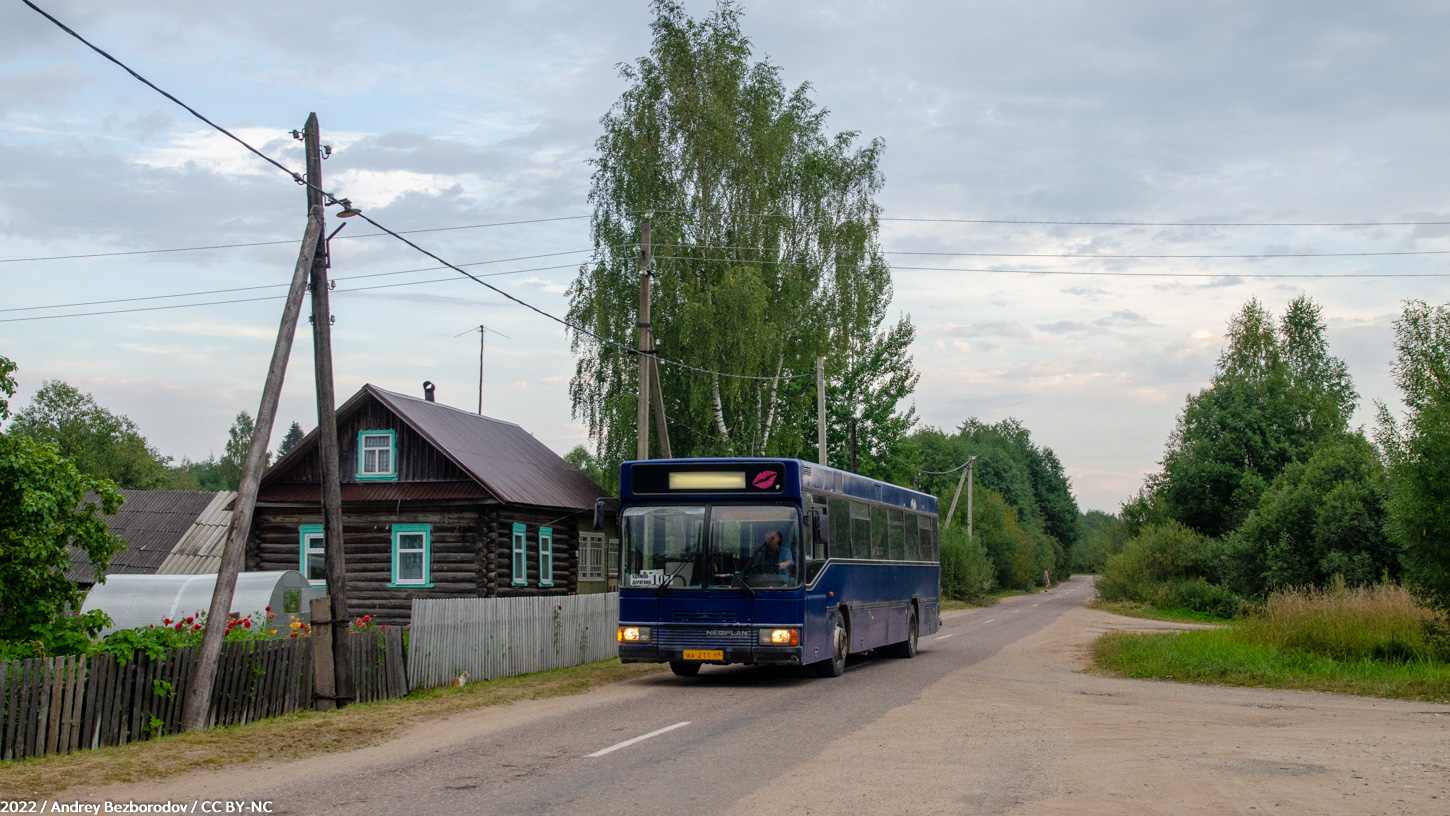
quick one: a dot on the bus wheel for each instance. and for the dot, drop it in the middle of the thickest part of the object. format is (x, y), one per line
(835, 666)
(907, 648)
(684, 669)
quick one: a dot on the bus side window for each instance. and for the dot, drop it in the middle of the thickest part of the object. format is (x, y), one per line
(878, 532)
(895, 543)
(928, 530)
(860, 530)
(913, 552)
(840, 529)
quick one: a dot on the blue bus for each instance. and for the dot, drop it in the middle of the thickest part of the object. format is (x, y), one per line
(770, 561)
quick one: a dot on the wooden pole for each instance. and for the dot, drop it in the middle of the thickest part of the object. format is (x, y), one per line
(971, 481)
(327, 447)
(953, 511)
(821, 408)
(198, 696)
(645, 345)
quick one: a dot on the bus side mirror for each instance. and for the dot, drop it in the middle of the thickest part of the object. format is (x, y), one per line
(820, 529)
(605, 513)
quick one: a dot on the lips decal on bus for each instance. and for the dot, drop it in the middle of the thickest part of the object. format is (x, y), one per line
(765, 480)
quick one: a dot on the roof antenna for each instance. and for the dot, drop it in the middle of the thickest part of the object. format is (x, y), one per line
(428, 390)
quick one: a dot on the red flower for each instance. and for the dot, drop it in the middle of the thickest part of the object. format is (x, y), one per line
(247, 623)
(166, 621)
(196, 627)
(180, 626)
(269, 609)
(367, 618)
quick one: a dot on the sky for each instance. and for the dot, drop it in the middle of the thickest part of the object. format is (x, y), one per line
(450, 115)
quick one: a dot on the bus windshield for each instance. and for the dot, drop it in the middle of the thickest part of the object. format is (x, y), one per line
(755, 545)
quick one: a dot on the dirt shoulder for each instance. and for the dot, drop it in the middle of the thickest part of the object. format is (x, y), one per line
(1030, 731)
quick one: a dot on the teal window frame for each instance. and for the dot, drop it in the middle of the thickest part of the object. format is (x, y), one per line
(304, 532)
(392, 474)
(427, 531)
(520, 546)
(546, 556)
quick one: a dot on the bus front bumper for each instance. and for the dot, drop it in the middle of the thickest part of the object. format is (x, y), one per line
(767, 655)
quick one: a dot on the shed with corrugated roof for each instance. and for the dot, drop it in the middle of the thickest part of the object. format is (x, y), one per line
(165, 532)
(437, 502)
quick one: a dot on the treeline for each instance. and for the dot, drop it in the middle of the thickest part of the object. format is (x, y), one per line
(1266, 486)
(110, 446)
(1025, 521)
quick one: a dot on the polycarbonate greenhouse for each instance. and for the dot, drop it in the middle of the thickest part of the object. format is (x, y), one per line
(134, 601)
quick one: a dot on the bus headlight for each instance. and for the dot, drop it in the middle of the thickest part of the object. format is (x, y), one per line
(780, 637)
(633, 634)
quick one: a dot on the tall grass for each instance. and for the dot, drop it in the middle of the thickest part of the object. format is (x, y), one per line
(1368, 640)
(1380, 622)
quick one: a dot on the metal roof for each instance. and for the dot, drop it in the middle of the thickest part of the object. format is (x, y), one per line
(152, 523)
(200, 549)
(375, 491)
(505, 459)
(502, 456)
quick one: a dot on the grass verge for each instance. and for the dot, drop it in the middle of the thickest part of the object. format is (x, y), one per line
(295, 735)
(1134, 609)
(1224, 657)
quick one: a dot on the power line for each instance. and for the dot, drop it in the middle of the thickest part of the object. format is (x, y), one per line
(450, 279)
(333, 199)
(1109, 273)
(1107, 223)
(283, 285)
(275, 243)
(1079, 256)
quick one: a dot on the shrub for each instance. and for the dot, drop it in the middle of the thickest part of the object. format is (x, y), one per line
(1169, 566)
(966, 571)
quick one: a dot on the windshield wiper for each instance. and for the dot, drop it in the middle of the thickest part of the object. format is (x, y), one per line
(739, 576)
(685, 558)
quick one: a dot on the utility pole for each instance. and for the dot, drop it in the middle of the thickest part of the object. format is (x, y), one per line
(821, 408)
(482, 330)
(645, 345)
(198, 695)
(853, 446)
(966, 473)
(327, 447)
(971, 481)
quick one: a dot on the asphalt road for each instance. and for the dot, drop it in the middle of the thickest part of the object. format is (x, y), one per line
(707, 740)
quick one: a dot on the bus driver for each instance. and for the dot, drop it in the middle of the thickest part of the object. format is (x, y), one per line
(775, 556)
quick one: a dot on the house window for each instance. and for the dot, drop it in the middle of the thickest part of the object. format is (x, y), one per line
(412, 555)
(377, 456)
(591, 556)
(521, 556)
(546, 556)
(312, 562)
(613, 558)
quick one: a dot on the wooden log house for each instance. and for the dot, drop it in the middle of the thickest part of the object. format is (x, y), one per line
(437, 502)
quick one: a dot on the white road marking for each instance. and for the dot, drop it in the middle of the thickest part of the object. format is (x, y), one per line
(639, 738)
(988, 620)
(944, 637)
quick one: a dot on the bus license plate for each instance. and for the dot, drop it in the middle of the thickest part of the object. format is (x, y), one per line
(704, 654)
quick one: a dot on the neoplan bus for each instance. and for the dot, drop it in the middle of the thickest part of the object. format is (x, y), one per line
(771, 561)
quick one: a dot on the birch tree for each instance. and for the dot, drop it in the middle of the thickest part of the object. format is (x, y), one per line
(765, 239)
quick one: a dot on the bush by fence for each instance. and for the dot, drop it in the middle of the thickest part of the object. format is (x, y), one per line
(500, 637)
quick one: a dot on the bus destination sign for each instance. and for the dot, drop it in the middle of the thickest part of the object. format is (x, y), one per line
(753, 477)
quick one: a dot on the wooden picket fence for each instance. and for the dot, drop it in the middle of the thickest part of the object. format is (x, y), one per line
(378, 670)
(56, 705)
(500, 637)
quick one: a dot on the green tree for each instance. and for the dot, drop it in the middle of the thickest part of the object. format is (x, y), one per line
(1317, 519)
(46, 507)
(234, 455)
(584, 461)
(1276, 396)
(1100, 536)
(98, 442)
(292, 439)
(766, 253)
(1418, 451)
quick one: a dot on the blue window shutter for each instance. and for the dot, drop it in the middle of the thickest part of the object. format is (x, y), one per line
(520, 553)
(546, 556)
